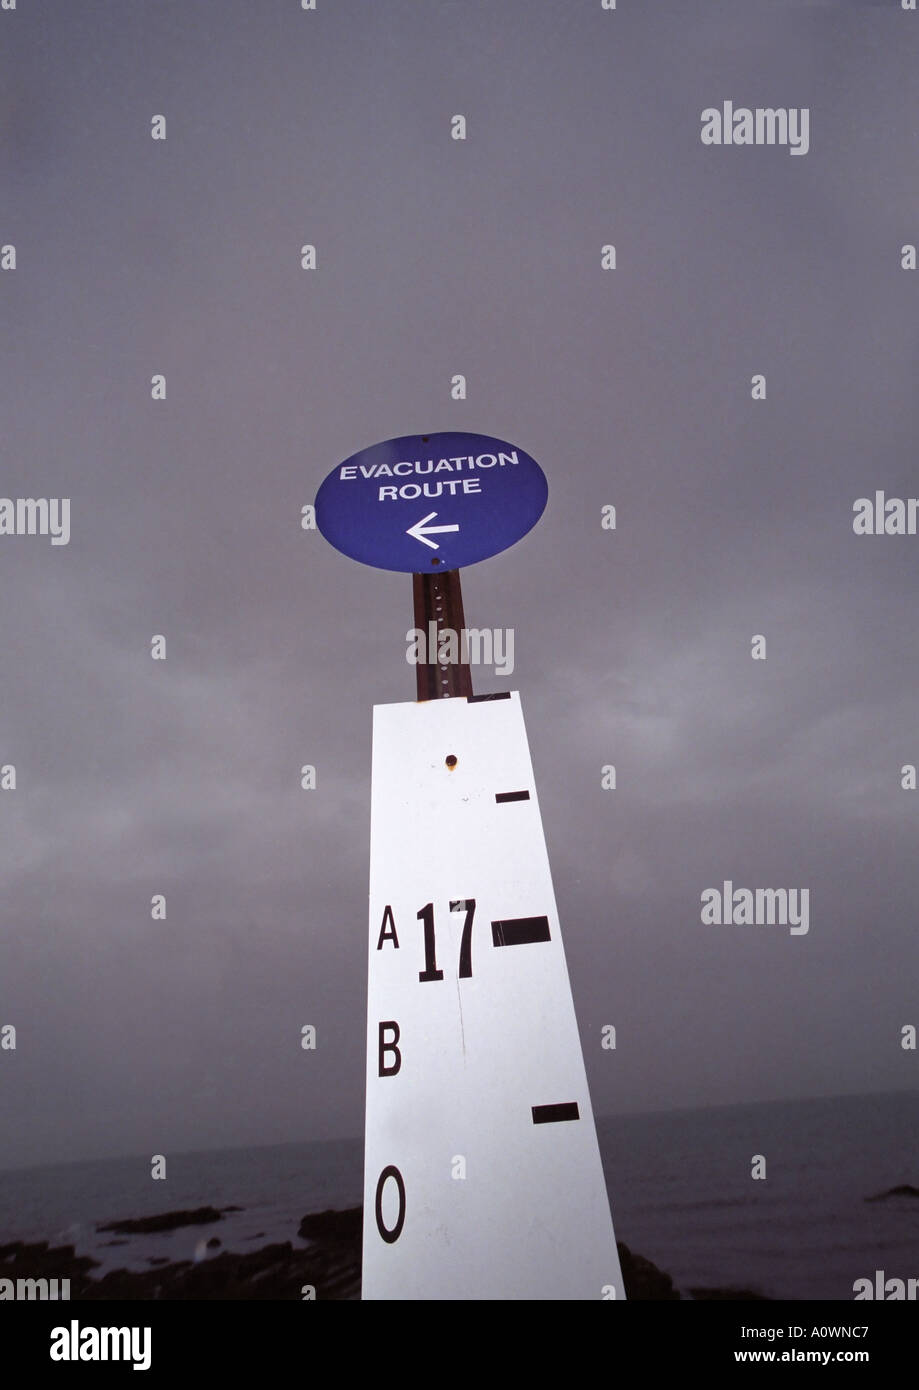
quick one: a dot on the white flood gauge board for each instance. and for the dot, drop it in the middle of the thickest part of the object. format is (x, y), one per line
(482, 1175)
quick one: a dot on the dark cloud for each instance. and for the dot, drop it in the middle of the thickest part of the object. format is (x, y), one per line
(632, 647)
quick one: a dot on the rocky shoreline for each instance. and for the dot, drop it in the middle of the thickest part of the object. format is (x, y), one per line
(330, 1264)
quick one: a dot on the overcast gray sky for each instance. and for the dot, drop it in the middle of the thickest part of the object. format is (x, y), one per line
(630, 387)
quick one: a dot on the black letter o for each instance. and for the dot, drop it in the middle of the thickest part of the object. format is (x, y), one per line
(390, 1236)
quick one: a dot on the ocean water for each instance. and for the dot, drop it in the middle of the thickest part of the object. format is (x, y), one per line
(682, 1194)
(680, 1189)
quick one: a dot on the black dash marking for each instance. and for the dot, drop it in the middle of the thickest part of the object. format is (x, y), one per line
(551, 1114)
(520, 931)
(477, 699)
(461, 904)
(511, 796)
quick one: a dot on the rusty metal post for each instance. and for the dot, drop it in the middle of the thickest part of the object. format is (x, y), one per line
(439, 601)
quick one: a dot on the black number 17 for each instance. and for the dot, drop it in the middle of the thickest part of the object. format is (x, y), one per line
(426, 915)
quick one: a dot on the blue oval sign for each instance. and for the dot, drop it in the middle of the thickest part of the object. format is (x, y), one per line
(427, 501)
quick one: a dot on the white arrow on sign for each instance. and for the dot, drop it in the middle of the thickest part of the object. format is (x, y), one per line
(421, 530)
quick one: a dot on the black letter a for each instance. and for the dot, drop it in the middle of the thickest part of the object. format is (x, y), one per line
(388, 935)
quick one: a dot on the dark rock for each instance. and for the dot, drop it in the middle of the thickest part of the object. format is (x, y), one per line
(642, 1279)
(275, 1272)
(165, 1221)
(331, 1265)
(37, 1261)
(733, 1294)
(214, 1242)
(345, 1225)
(158, 1260)
(905, 1189)
(38, 1250)
(114, 1242)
